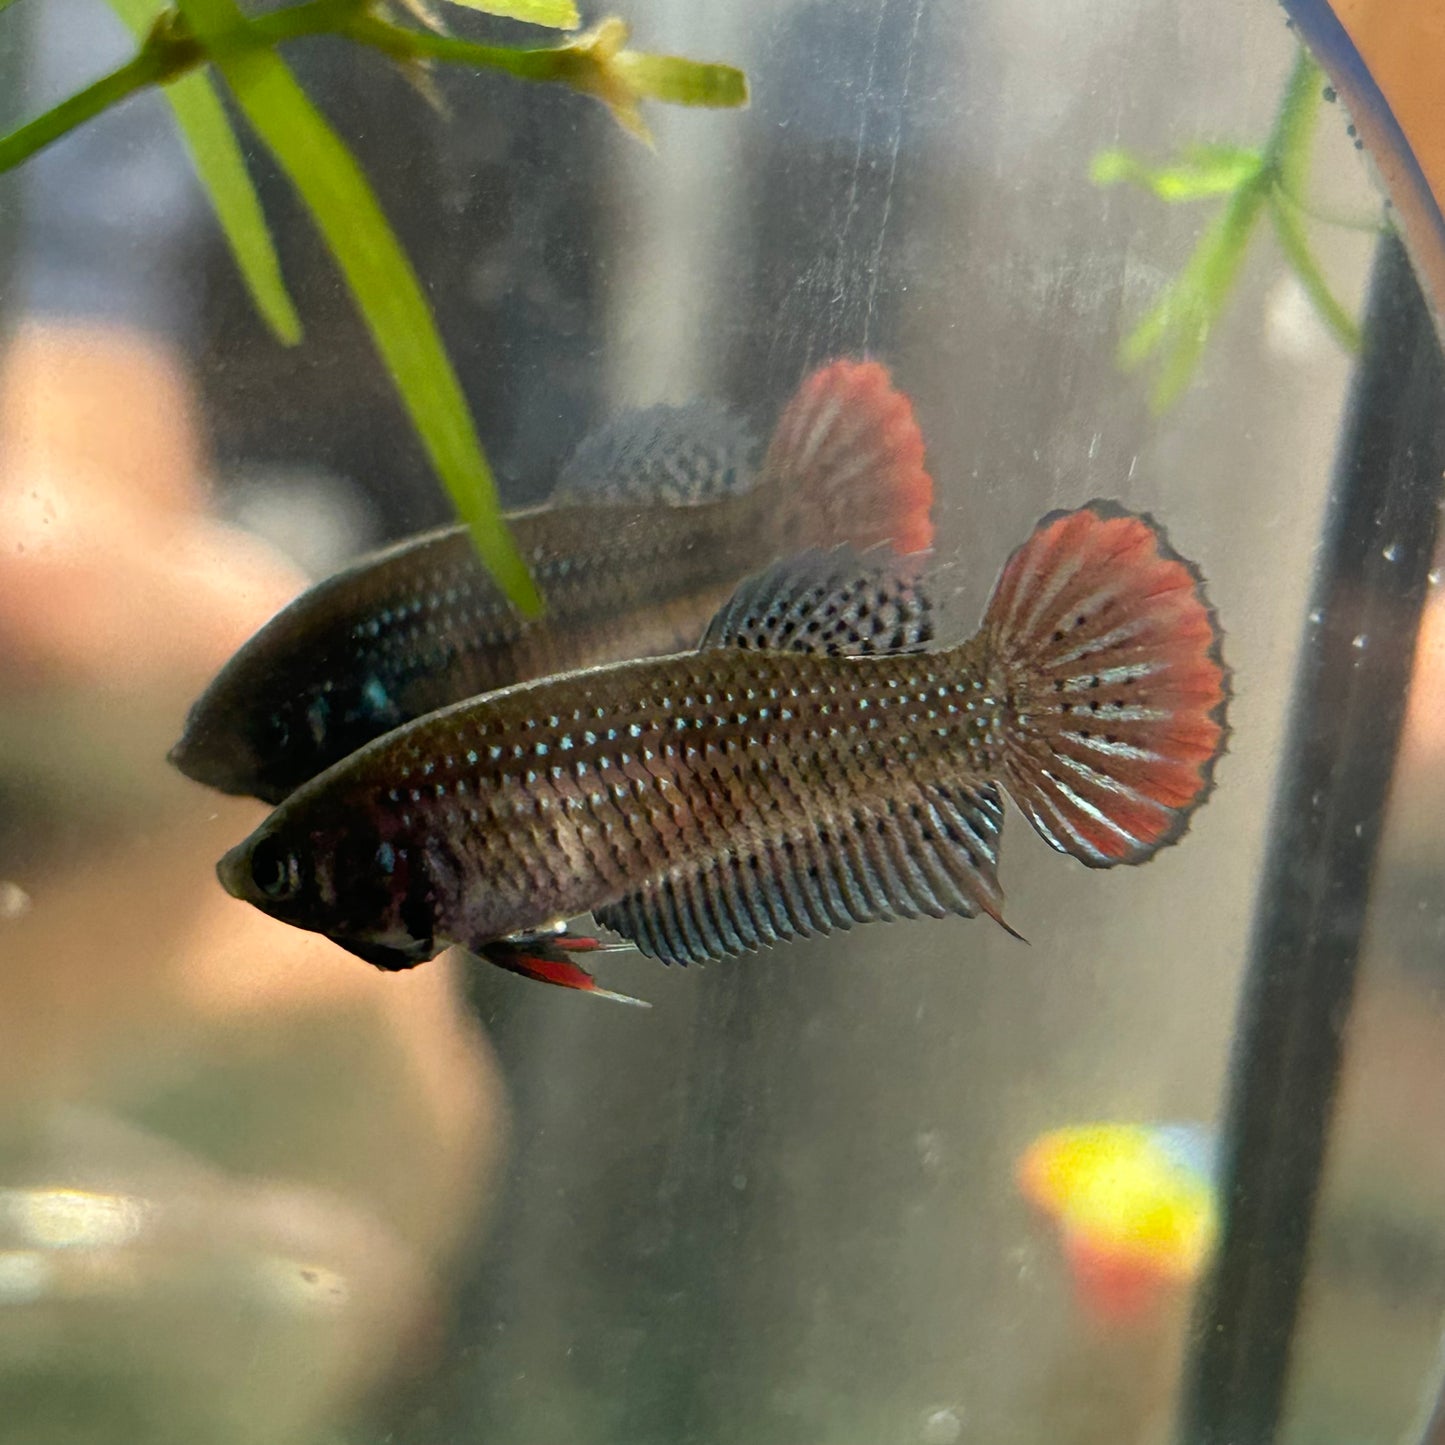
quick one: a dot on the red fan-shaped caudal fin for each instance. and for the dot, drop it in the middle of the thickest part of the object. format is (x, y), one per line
(848, 449)
(1107, 653)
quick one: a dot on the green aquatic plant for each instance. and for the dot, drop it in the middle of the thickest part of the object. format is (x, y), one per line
(178, 47)
(1254, 182)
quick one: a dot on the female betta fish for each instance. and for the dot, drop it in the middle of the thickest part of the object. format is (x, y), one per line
(808, 767)
(656, 518)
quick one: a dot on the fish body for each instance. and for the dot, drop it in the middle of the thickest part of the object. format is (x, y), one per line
(657, 518)
(1136, 1207)
(562, 794)
(809, 767)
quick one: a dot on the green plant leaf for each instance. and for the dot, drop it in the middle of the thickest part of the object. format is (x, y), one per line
(554, 14)
(1204, 170)
(1295, 245)
(377, 271)
(1177, 326)
(216, 153)
(595, 63)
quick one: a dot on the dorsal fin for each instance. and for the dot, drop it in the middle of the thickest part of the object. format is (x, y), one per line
(679, 455)
(932, 851)
(834, 602)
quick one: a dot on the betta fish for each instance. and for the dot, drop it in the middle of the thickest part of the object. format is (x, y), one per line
(811, 765)
(655, 519)
(1136, 1208)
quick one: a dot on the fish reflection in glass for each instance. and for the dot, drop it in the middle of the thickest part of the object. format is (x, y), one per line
(810, 766)
(655, 519)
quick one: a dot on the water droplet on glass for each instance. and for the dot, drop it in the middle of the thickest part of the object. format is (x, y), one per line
(14, 901)
(1391, 552)
(1360, 641)
(25, 1276)
(1316, 616)
(1434, 577)
(740, 1181)
(929, 1144)
(942, 1427)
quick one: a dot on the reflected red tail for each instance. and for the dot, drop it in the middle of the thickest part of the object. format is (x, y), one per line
(848, 448)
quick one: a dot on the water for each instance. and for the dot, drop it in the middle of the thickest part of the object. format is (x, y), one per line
(254, 1192)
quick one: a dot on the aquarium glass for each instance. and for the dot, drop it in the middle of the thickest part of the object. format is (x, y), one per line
(255, 1192)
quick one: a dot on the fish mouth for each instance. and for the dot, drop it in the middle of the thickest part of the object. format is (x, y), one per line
(234, 871)
(194, 760)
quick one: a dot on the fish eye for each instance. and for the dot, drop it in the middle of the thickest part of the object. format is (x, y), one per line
(274, 870)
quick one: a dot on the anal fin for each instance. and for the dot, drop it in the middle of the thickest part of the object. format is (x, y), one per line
(933, 851)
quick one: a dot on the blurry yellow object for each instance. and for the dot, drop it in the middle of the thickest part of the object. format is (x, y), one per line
(1135, 1205)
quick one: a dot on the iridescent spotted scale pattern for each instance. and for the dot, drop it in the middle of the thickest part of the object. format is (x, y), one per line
(792, 792)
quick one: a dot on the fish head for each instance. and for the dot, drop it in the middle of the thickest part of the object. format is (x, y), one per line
(339, 876)
(256, 731)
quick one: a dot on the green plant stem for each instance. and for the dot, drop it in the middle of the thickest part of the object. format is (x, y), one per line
(151, 65)
(1309, 212)
(1286, 153)
(1186, 313)
(1287, 157)
(541, 63)
(168, 54)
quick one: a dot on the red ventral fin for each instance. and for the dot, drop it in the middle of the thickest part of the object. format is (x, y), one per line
(545, 959)
(848, 447)
(1108, 652)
